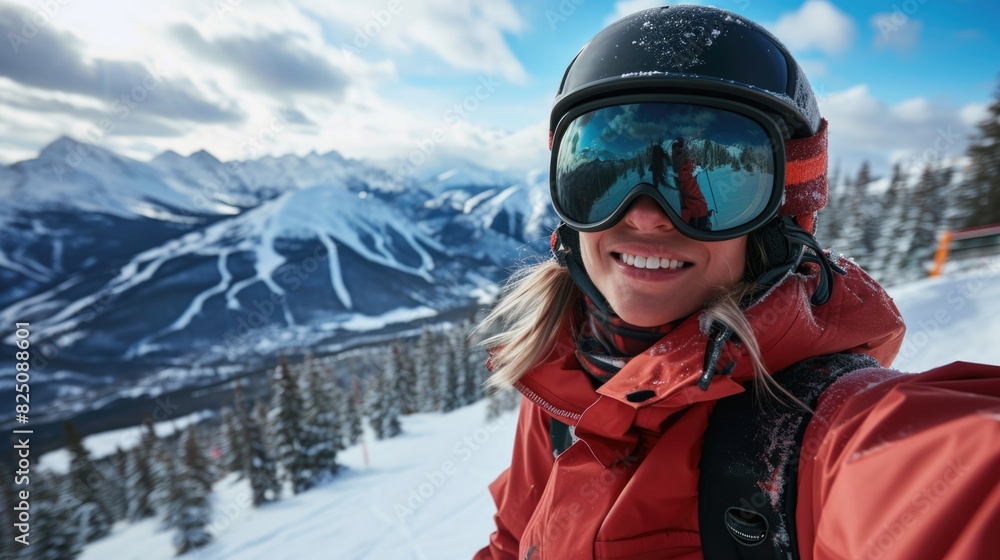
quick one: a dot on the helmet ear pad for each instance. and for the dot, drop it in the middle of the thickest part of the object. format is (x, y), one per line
(770, 255)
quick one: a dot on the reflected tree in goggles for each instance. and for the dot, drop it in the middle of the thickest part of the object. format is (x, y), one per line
(711, 169)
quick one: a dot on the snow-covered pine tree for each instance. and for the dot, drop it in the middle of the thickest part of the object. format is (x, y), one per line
(854, 214)
(89, 486)
(233, 458)
(167, 497)
(426, 365)
(118, 485)
(341, 414)
(871, 215)
(286, 428)
(450, 373)
(54, 534)
(141, 474)
(319, 426)
(830, 228)
(892, 240)
(355, 414)
(192, 507)
(932, 197)
(197, 466)
(470, 387)
(382, 410)
(262, 469)
(981, 188)
(406, 372)
(194, 513)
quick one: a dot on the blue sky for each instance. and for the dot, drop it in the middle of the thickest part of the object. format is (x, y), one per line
(899, 81)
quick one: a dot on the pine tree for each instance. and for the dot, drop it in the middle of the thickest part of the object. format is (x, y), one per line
(932, 197)
(469, 381)
(406, 372)
(192, 511)
(263, 469)
(89, 486)
(54, 534)
(382, 409)
(320, 428)
(167, 497)
(893, 240)
(428, 355)
(141, 478)
(981, 199)
(449, 374)
(286, 425)
(197, 465)
(355, 408)
(118, 485)
(233, 448)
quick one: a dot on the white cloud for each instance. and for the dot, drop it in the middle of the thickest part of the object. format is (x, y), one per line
(466, 34)
(816, 25)
(626, 7)
(974, 113)
(915, 131)
(894, 30)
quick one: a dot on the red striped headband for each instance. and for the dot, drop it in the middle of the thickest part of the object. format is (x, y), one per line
(805, 177)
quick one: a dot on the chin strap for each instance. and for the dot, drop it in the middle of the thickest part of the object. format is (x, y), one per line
(787, 245)
(565, 244)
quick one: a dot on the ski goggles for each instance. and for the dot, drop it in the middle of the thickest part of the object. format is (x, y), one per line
(715, 167)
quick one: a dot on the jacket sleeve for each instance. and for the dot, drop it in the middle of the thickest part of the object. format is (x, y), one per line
(898, 466)
(517, 490)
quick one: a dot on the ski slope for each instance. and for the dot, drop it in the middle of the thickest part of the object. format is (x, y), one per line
(424, 494)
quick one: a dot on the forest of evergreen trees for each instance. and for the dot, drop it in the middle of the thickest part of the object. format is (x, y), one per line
(891, 225)
(282, 442)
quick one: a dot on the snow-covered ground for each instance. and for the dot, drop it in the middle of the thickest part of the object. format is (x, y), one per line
(424, 494)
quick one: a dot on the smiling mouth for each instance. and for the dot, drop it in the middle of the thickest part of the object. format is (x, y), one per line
(651, 263)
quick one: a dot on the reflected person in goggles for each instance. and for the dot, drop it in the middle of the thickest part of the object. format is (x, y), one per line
(689, 160)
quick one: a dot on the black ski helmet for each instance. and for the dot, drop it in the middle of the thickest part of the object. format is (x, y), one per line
(704, 51)
(692, 50)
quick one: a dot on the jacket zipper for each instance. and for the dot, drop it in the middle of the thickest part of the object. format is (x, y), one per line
(533, 397)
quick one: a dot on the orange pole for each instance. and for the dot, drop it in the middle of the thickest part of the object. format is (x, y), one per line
(941, 255)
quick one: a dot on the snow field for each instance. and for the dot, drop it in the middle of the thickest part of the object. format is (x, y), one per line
(424, 495)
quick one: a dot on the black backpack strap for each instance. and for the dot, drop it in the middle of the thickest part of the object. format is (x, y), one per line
(747, 488)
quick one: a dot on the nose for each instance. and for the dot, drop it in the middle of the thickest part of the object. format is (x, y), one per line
(646, 214)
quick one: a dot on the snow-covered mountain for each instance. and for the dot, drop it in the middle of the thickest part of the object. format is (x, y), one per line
(141, 278)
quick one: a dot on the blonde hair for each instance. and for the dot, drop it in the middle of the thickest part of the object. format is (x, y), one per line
(537, 302)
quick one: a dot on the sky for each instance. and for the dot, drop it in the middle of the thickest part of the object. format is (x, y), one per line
(899, 81)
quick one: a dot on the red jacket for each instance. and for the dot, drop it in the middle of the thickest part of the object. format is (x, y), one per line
(693, 204)
(900, 467)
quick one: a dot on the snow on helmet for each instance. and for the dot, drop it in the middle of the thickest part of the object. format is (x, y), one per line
(692, 50)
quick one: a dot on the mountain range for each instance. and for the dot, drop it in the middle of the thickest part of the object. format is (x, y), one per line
(139, 278)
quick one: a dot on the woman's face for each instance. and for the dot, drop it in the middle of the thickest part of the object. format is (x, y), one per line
(688, 274)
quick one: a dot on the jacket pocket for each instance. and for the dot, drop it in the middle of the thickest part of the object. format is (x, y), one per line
(660, 545)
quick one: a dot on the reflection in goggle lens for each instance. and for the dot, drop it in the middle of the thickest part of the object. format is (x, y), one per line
(714, 168)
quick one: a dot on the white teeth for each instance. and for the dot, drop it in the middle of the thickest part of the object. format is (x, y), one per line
(651, 263)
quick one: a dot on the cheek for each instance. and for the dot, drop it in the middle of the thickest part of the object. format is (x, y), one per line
(731, 261)
(588, 249)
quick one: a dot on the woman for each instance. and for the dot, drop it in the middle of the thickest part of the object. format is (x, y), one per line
(642, 324)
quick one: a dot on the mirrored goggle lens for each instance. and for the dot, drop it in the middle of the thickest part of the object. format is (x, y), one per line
(713, 167)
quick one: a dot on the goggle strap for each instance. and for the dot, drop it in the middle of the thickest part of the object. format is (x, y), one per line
(806, 163)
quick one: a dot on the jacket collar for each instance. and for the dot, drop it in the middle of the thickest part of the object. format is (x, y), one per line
(859, 317)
